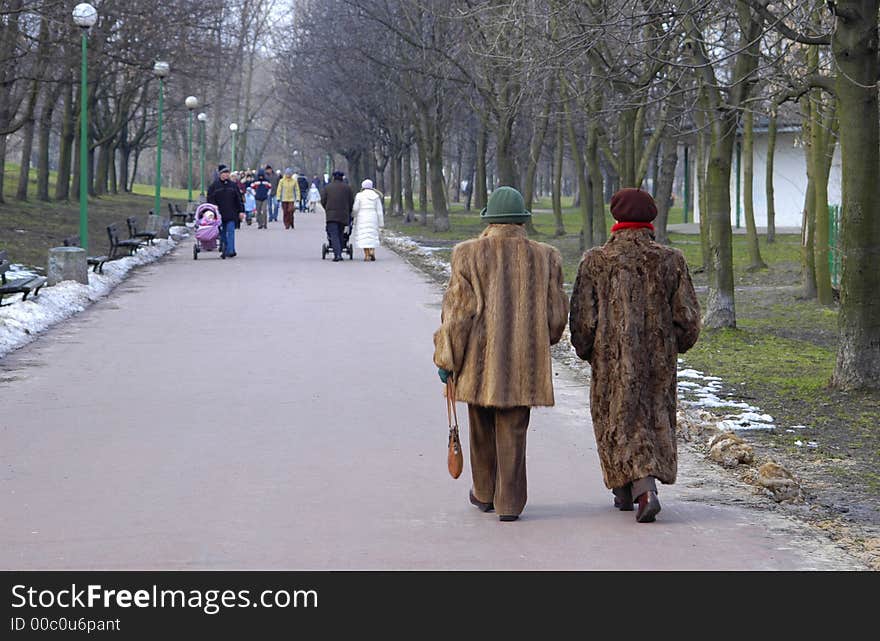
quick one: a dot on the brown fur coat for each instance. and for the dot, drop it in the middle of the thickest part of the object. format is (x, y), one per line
(503, 308)
(633, 310)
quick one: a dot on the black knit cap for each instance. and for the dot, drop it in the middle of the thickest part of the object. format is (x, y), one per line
(222, 168)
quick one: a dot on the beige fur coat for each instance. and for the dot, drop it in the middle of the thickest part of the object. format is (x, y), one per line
(503, 308)
(633, 310)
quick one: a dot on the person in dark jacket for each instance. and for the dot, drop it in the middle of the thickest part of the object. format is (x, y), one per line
(262, 188)
(337, 200)
(303, 191)
(226, 196)
(273, 177)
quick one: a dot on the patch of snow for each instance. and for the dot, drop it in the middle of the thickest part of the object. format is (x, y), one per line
(22, 321)
(407, 245)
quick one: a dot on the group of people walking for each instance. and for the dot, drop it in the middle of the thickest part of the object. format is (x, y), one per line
(362, 214)
(632, 311)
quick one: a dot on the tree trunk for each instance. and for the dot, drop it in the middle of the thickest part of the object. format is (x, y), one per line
(556, 194)
(481, 194)
(597, 184)
(3, 140)
(808, 257)
(124, 160)
(62, 184)
(134, 167)
(721, 310)
(586, 220)
(855, 49)
(507, 174)
(101, 169)
(702, 201)
(27, 147)
(771, 154)
(408, 204)
(44, 140)
(824, 151)
(423, 175)
(535, 154)
(394, 179)
(458, 170)
(438, 182)
(114, 186)
(664, 188)
(755, 260)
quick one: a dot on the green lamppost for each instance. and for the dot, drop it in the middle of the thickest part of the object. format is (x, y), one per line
(161, 71)
(191, 103)
(233, 128)
(202, 118)
(85, 16)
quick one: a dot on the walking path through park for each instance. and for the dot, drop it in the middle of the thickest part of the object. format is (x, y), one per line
(277, 411)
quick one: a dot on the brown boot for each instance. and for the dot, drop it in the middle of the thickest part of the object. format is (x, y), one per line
(649, 506)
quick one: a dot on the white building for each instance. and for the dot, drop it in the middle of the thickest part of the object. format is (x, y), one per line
(789, 180)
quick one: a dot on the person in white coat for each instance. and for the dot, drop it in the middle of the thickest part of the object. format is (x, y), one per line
(369, 218)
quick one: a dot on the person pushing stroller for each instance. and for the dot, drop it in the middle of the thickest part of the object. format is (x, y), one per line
(337, 200)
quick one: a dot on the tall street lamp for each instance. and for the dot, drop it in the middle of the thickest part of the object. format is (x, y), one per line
(161, 71)
(202, 118)
(233, 128)
(191, 103)
(85, 16)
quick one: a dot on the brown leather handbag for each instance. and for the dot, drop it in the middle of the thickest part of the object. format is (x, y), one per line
(454, 458)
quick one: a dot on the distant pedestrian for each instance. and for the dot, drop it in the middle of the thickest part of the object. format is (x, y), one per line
(633, 310)
(369, 218)
(226, 196)
(250, 205)
(314, 197)
(273, 177)
(262, 188)
(337, 200)
(504, 307)
(288, 194)
(303, 183)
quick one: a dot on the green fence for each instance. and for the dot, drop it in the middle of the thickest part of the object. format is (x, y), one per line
(834, 244)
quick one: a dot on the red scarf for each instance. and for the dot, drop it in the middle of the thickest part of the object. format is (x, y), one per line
(619, 226)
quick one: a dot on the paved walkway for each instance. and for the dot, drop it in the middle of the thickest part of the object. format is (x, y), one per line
(277, 411)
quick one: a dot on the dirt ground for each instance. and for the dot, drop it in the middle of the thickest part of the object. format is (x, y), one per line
(836, 483)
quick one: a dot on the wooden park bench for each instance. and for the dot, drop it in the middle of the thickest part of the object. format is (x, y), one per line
(145, 237)
(96, 262)
(24, 285)
(117, 245)
(178, 217)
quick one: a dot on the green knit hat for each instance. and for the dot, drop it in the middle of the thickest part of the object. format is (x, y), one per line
(506, 205)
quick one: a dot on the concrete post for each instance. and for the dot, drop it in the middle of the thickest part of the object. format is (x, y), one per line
(67, 263)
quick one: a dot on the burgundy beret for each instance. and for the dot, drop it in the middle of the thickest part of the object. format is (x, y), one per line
(632, 205)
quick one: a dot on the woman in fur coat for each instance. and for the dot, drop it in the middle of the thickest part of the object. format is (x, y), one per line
(503, 309)
(633, 310)
(369, 218)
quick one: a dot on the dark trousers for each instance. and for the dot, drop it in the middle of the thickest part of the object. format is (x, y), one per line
(334, 231)
(498, 456)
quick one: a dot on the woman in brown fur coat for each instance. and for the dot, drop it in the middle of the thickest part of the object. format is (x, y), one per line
(503, 308)
(633, 310)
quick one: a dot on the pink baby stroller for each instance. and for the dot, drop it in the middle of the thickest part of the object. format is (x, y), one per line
(207, 219)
